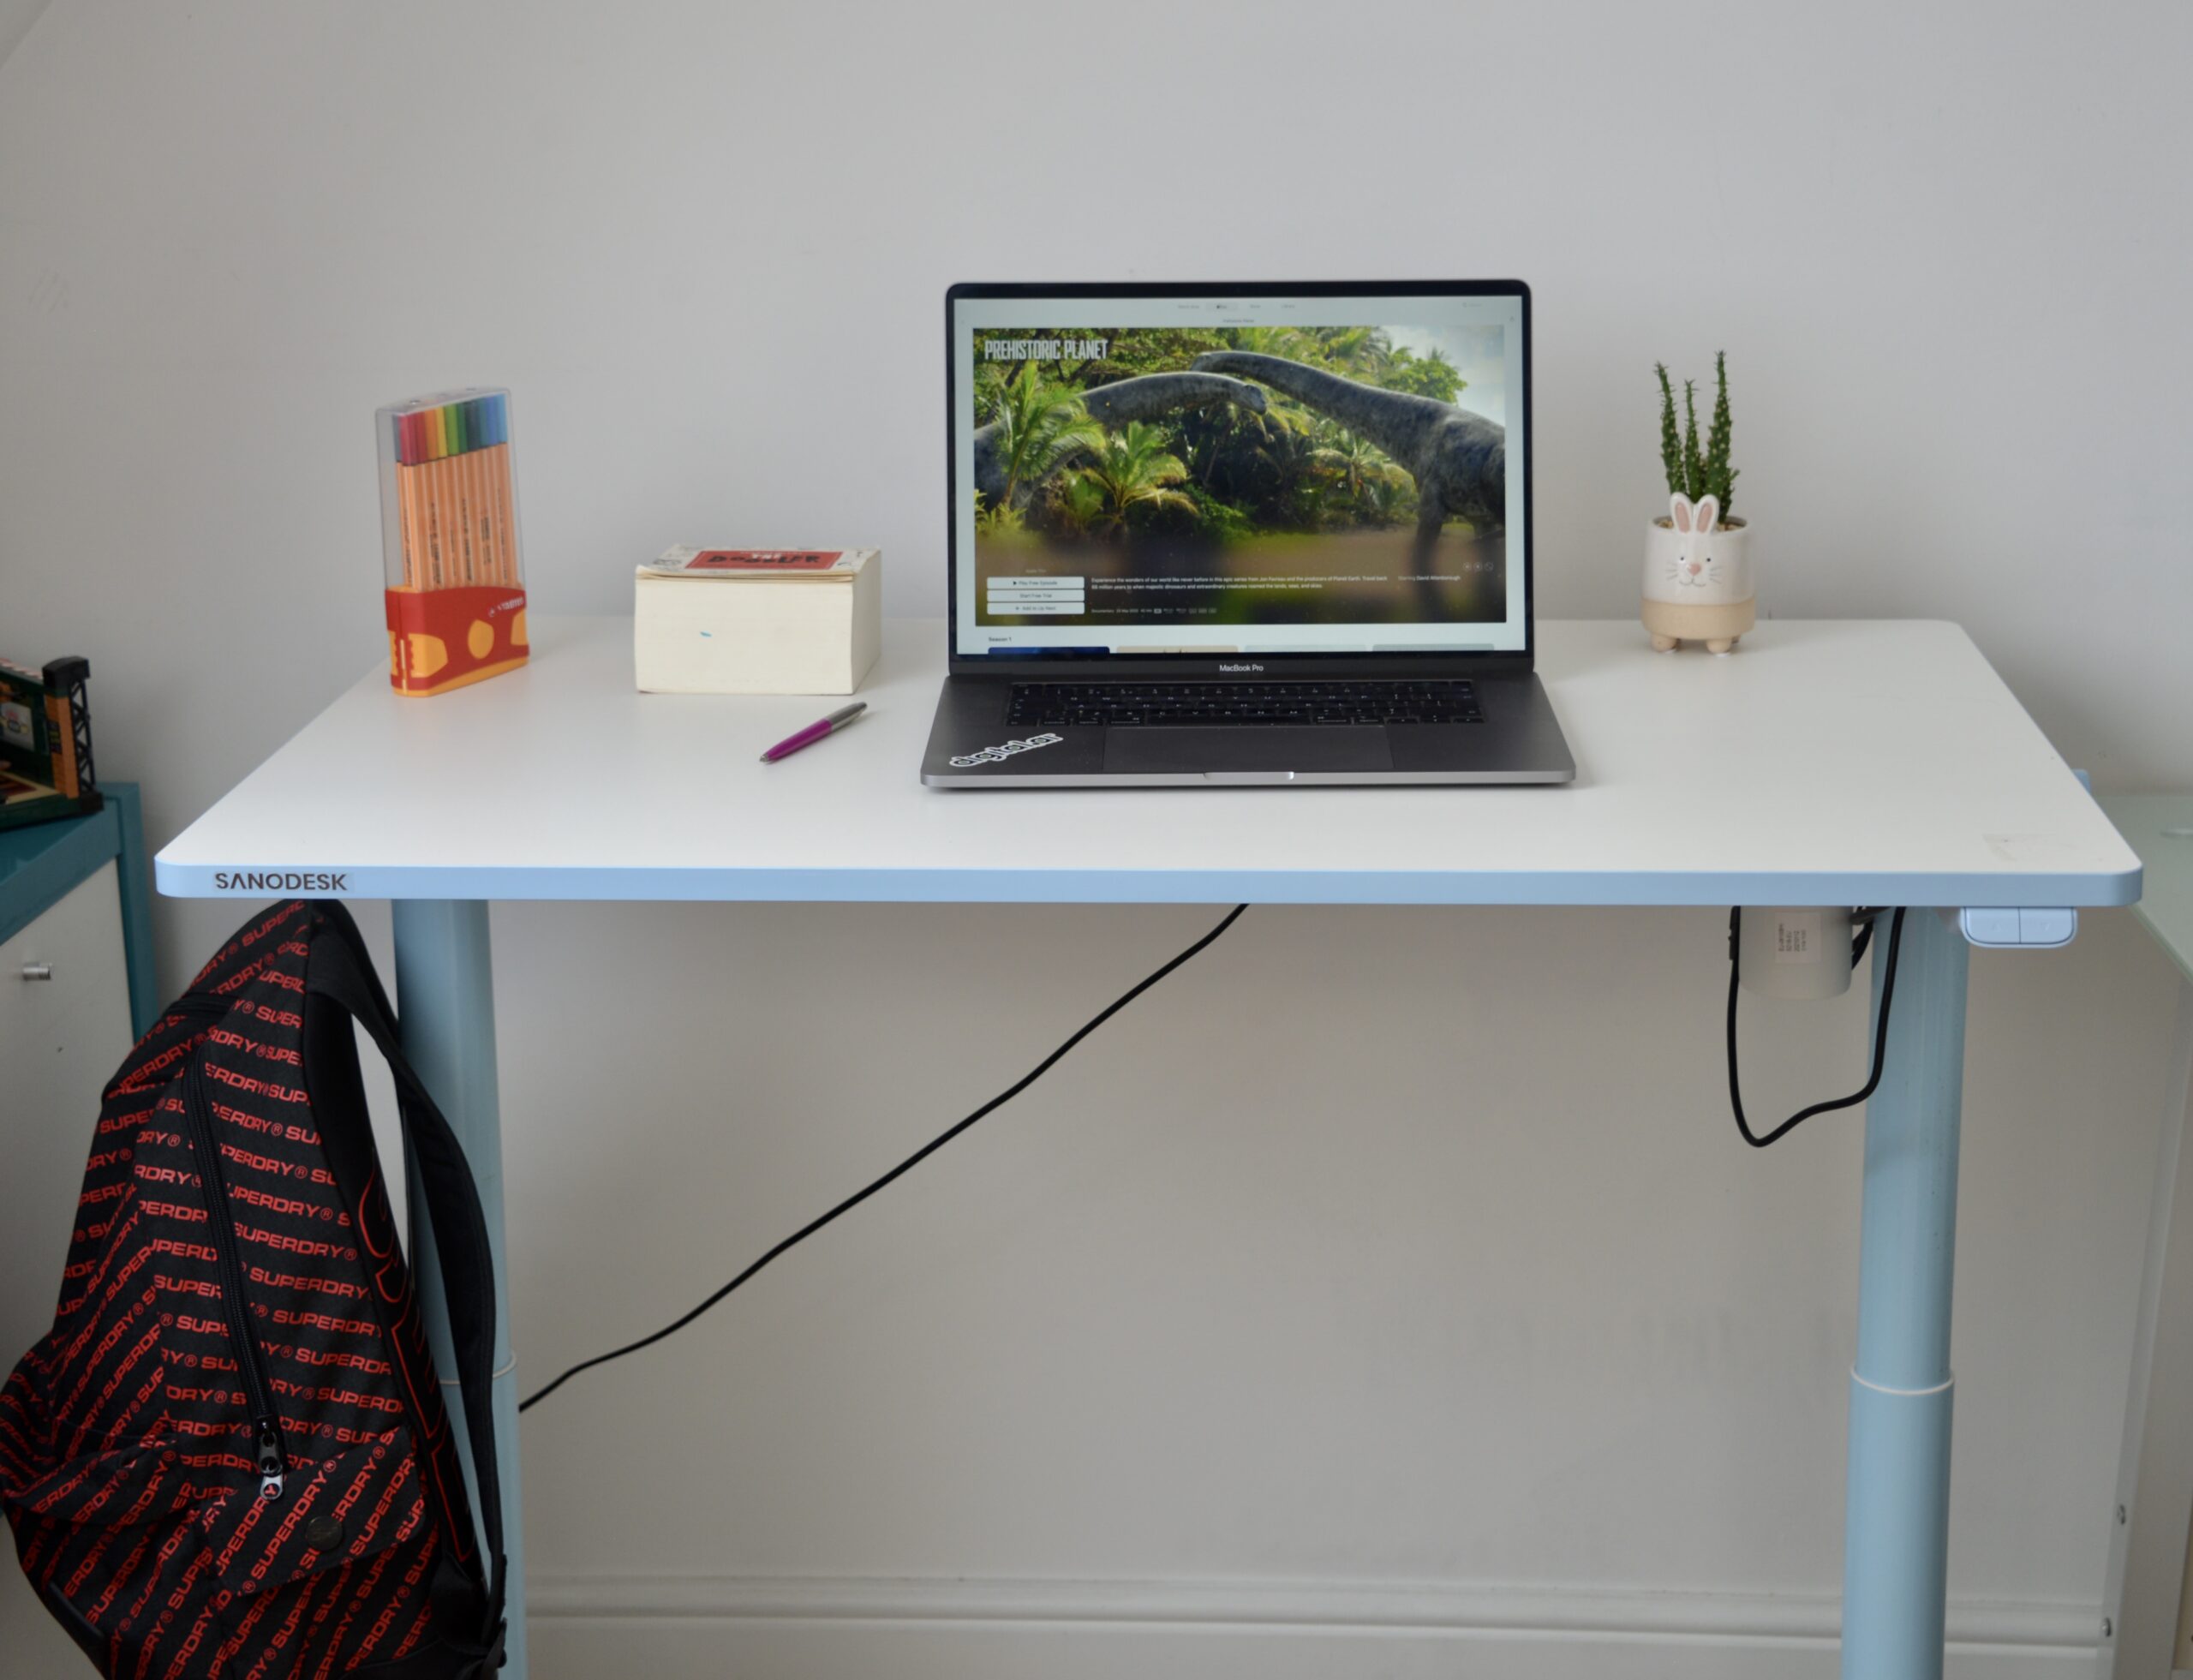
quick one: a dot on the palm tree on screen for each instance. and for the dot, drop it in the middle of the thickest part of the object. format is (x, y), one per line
(1133, 469)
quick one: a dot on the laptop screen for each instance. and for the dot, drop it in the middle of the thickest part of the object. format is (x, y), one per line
(1311, 472)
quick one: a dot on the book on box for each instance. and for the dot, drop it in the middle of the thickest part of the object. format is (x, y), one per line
(757, 620)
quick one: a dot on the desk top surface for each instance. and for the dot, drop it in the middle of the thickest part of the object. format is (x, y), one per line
(2159, 827)
(1823, 762)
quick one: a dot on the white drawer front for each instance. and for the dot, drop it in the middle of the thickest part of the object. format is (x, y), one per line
(61, 1039)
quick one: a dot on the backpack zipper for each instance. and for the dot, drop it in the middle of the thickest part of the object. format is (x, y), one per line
(266, 1425)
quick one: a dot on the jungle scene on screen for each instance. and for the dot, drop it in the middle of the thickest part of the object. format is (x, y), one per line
(1240, 475)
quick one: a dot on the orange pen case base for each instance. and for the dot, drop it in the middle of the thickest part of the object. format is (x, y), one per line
(455, 590)
(441, 639)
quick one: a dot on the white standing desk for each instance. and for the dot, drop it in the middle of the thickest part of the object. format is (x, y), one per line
(1827, 763)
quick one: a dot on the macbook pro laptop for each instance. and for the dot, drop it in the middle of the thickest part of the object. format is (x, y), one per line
(1221, 535)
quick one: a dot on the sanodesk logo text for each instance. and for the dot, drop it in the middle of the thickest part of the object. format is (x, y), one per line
(281, 881)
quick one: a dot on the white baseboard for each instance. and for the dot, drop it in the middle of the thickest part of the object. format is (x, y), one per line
(805, 1629)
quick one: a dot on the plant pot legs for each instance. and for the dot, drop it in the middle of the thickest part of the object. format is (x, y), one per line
(1717, 627)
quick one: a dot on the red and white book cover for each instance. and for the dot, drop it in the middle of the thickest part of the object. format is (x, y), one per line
(686, 561)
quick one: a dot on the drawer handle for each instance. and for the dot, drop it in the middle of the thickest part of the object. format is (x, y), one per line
(37, 970)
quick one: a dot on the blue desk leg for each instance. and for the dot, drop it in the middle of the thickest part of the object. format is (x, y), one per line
(1896, 1537)
(445, 998)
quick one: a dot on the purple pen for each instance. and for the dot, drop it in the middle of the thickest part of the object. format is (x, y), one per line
(814, 733)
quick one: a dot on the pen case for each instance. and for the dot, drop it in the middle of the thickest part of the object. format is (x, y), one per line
(455, 591)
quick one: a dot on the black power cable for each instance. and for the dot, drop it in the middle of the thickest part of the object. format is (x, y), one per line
(1865, 935)
(904, 1166)
(1880, 1030)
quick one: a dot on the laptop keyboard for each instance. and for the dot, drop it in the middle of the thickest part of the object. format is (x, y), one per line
(1451, 700)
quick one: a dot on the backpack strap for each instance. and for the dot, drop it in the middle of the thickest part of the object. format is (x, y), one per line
(339, 972)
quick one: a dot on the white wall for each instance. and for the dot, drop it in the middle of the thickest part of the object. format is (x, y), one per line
(1377, 1300)
(16, 17)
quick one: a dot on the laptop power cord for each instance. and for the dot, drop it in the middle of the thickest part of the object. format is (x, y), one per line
(1863, 937)
(904, 1166)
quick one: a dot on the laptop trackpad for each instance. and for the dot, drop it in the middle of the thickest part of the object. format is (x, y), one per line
(1144, 750)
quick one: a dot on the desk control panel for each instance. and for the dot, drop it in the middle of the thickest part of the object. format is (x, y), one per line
(2021, 929)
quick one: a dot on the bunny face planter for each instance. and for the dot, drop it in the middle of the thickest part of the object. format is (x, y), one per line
(1698, 584)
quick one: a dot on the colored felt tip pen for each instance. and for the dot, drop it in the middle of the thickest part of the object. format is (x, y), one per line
(814, 733)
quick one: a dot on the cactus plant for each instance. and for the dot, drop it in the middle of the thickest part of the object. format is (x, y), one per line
(1694, 471)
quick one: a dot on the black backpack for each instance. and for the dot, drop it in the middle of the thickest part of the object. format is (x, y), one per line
(231, 1454)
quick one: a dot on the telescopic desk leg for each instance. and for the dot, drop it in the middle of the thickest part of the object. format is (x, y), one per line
(445, 1001)
(1896, 1536)
(2150, 1575)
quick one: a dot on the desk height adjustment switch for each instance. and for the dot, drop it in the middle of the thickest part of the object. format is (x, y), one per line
(2024, 930)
